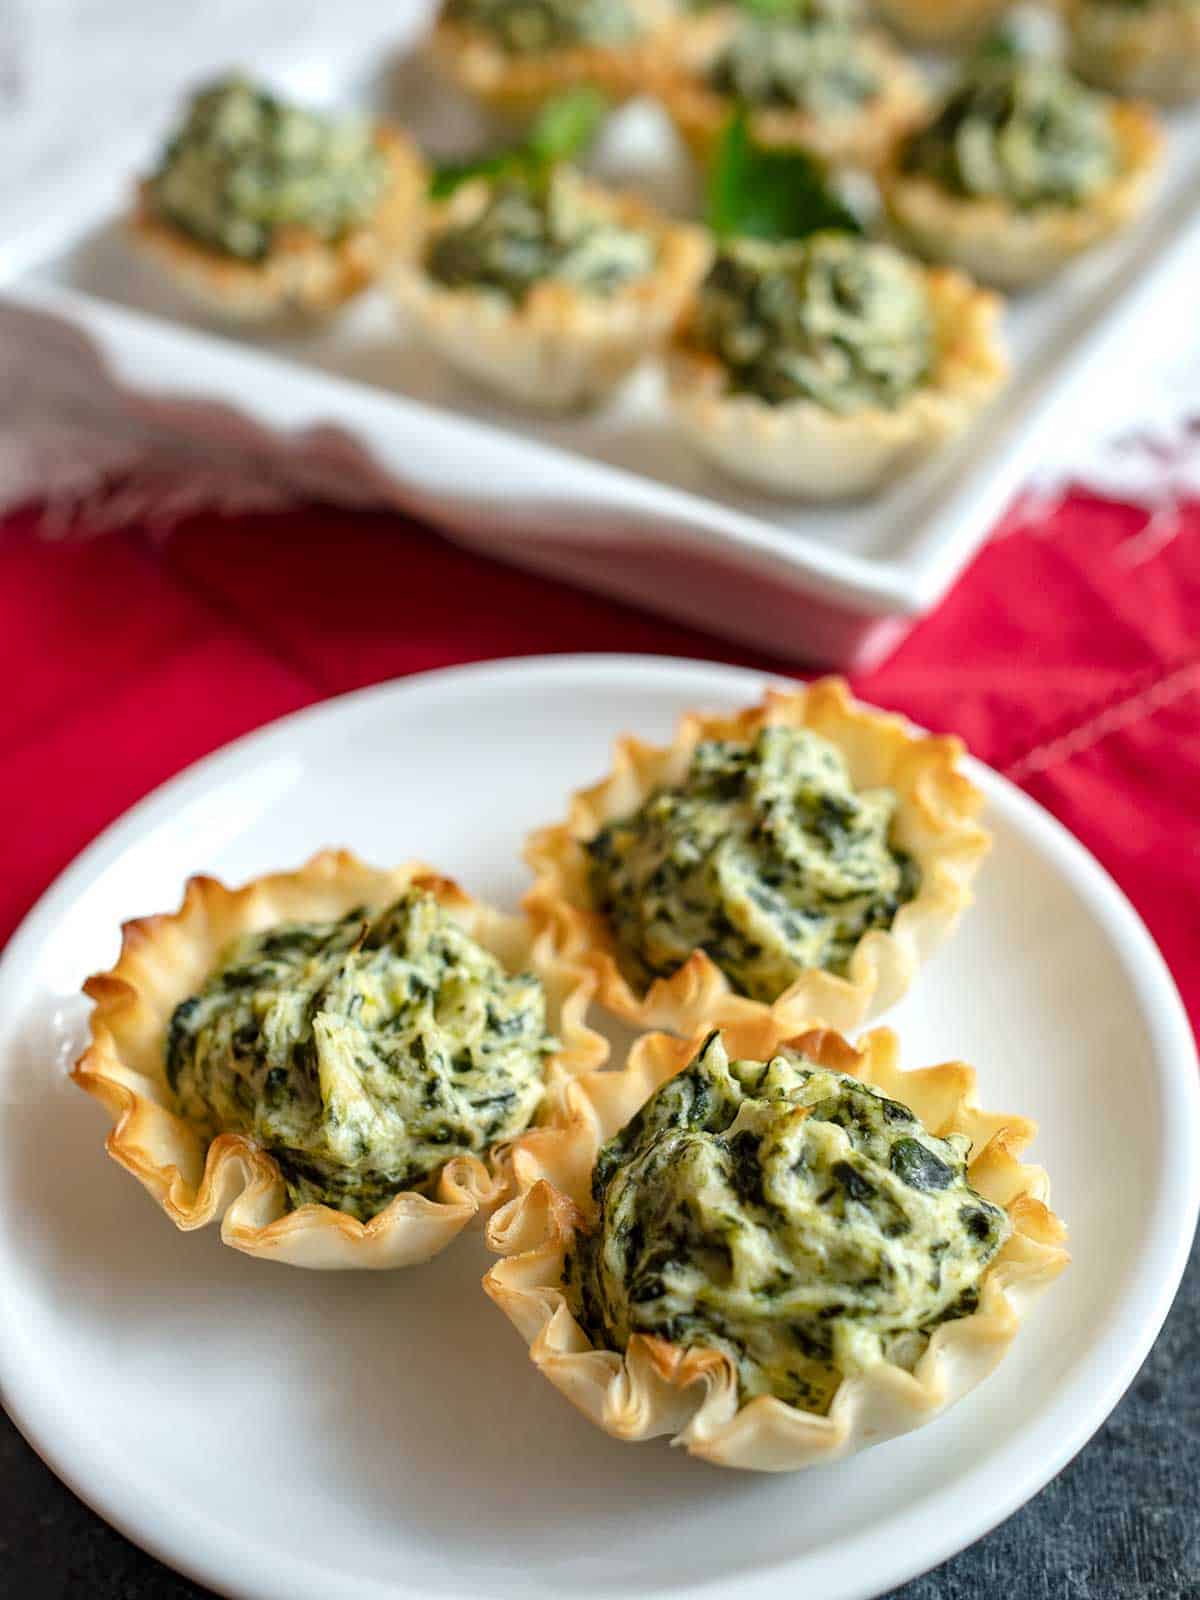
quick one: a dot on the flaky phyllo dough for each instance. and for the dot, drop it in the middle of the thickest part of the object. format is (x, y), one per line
(302, 275)
(655, 1387)
(934, 824)
(166, 959)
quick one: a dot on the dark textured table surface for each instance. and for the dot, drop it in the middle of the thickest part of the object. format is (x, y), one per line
(1122, 1522)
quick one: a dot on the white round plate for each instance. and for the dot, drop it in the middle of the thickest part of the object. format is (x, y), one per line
(274, 1433)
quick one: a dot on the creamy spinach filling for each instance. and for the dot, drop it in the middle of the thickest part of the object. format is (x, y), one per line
(787, 1215)
(811, 59)
(535, 228)
(244, 165)
(529, 27)
(363, 1054)
(1019, 130)
(765, 856)
(833, 319)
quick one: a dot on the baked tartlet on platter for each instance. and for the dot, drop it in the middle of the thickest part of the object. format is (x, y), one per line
(1022, 169)
(260, 209)
(322, 1059)
(793, 861)
(821, 368)
(549, 288)
(778, 1250)
(1149, 48)
(933, 23)
(812, 78)
(513, 55)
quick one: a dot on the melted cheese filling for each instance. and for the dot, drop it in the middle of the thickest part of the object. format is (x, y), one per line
(787, 1215)
(836, 320)
(1022, 130)
(244, 165)
(363, 1054)
(765, 856)
(534, 228)
(809, 60)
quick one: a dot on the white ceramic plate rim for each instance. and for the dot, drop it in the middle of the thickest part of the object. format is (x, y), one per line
(858, 1568)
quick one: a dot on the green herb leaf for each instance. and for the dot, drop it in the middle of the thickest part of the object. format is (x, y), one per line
(772, 10)
(770, 194)
(563, 128)
(566, 125)
(448, 175)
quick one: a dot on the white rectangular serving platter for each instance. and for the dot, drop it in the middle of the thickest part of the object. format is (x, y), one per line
(610, 500)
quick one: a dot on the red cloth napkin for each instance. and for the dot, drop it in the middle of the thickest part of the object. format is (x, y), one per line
(1068, 657)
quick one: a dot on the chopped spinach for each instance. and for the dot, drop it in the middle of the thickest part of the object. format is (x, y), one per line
(1019, 129)
(739, 860)
(834, 320)
(919, 1167)
(245, 165)
(808, 58)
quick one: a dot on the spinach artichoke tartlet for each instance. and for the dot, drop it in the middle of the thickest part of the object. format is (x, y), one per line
(809, 75)
(820, 368)
(778, 1250)
(259, 208)
(514, 55)
(1022, 169)
(546, 287)
(324, 1059)
(1149, 48)
(795, 860)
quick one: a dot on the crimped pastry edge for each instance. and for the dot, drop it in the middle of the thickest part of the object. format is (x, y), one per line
(1153, 54)
(935, 821)
(560, 348)
(655, 1387)
(303, 275)
(1014, 249)
(700, 114)
(165, 958)
(801, 450)
(515, 87)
